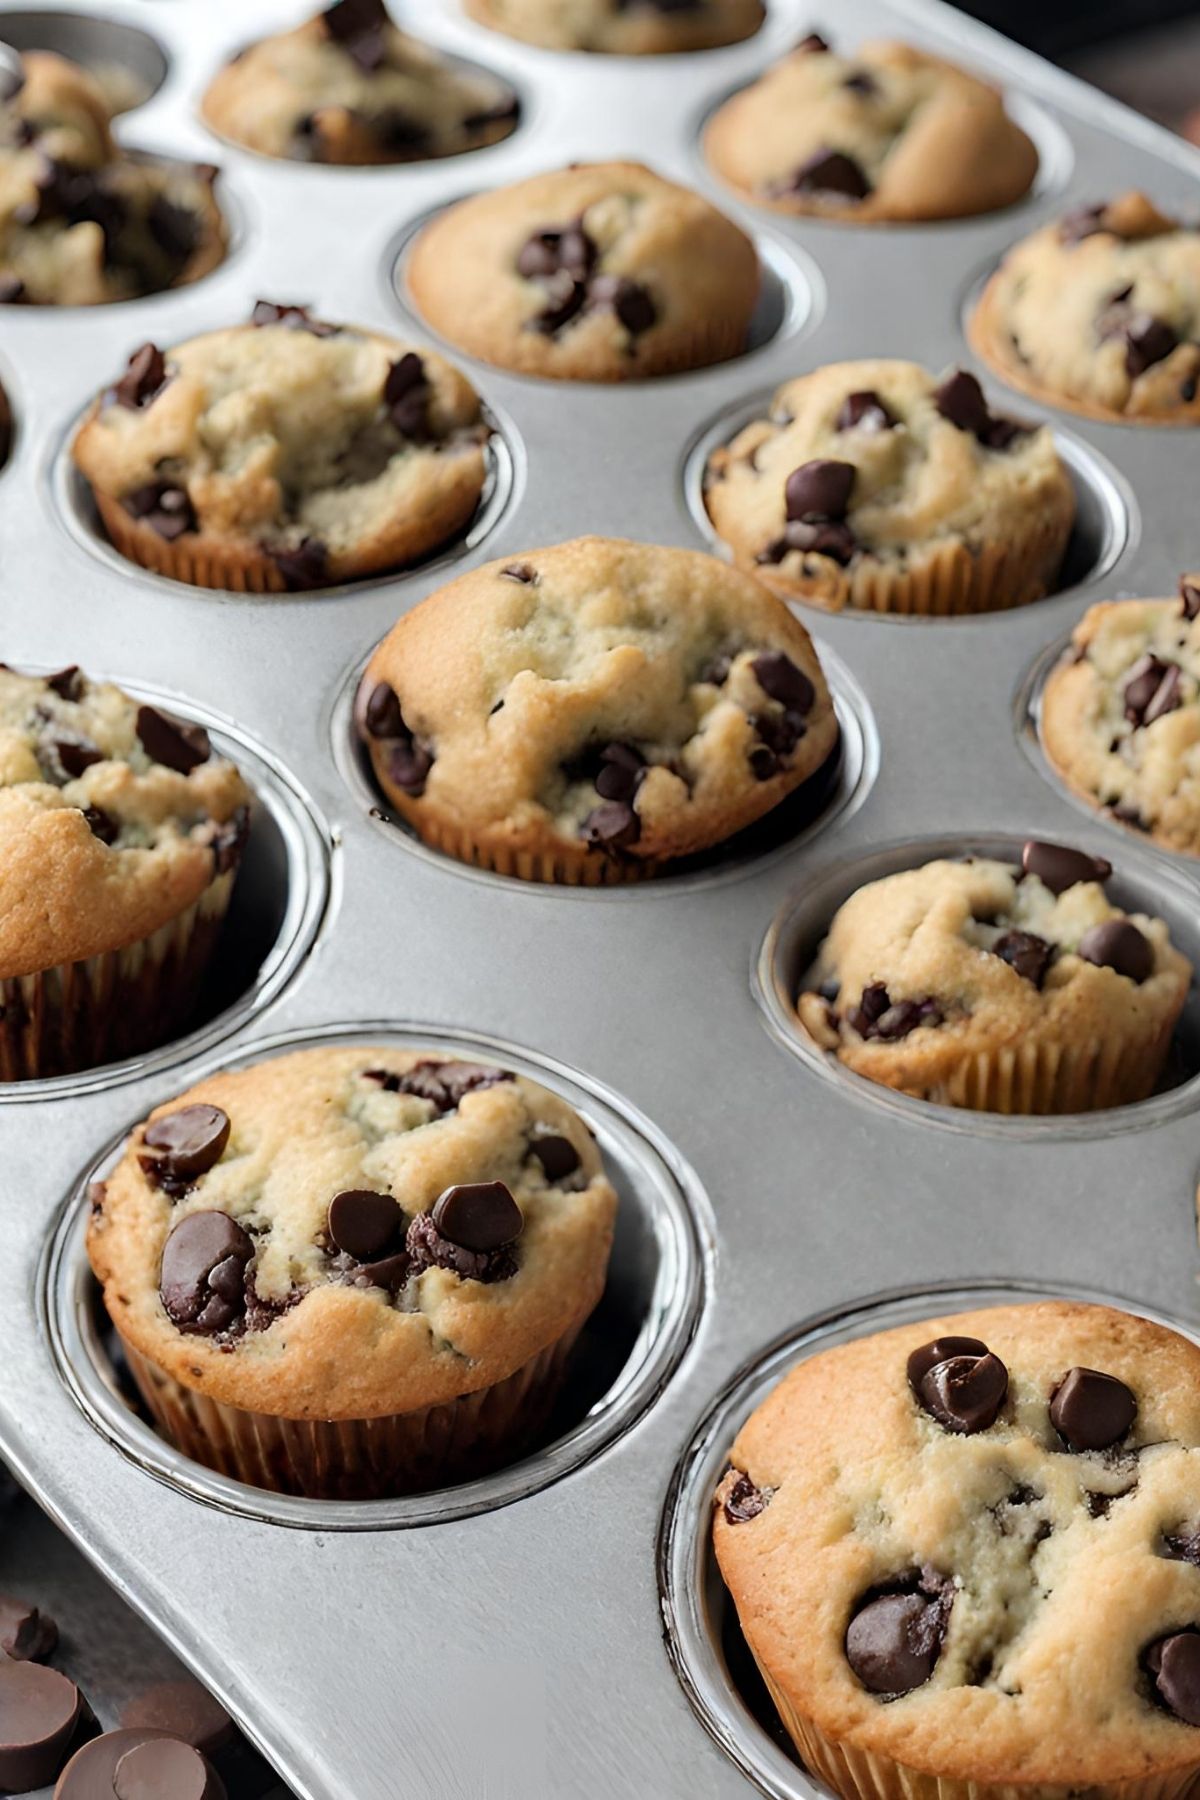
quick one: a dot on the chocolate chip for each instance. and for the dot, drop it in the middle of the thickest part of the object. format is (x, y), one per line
(390, 1272)
(895, 1638)
(399, 132)
(203, 1277)
(557, 1155)
(406, 394)
(429, 1249)
(229, 840)
(1091, 1411)
(525, 573)
(1148, 339)
(965, 1393)
(12, 290)
(101, 824)
(26, 1635)
(744, 1501)
(1028, 954)
(478, 1215)
(865, 411)
(186, 1710)
(174, 229)
(830, 172)
(68, 683)
(164, 506)
(1059, 868)
(360, 27)
(820, 490)
(77, 754)
(1189, 595)
(294, 318)
(444, 1084)
(145, 376)
(812, 45)
(408, 765)
(621, 773)
(363, 1223)
(940, 1350)
(1083, 222)
(40, 1714)
(825, 537)
(875, 1016)
(960, 399)
(382, 717)
(1154, 689)
(1119, 945)
(164, 1768)
(860, 82)
(189, 1143)
(780, 679)
(173, 743)
(630, 301)
(566, 250)
(1183, 1545)
(1174, 1663)
(613, 826)
(304, 565)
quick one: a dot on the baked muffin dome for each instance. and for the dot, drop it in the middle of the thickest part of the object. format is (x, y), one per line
(349, 87)
(962, 1554)
(594, 712)
(622, 27)
(353, 1237)
(1100, 312)
(879, 486)
(1120, 715)
(599, 272)
(999, 988)
(120, 835)
(83, 221)
(887, 134)
(285, 453)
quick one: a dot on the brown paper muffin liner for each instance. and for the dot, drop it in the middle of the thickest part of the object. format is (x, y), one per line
(858, 1774)
(203, 561)
(118, 1004)
(556, 864)
(360, 1459)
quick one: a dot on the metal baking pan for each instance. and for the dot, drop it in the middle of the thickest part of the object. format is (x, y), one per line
(512, 1637)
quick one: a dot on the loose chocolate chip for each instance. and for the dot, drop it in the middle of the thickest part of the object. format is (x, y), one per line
(26, 1635)
(820, 490)
(1119, 945)
(360, 26)
(965, 1393)
(525, 573)
(40, 1714)
(165, 1769)
(189, 1143)
(478, 1215)
(1092, 1411)
(77, 754)
(381, 715)
(940, 1350)
(1059, 868)
(621, 773)
(1183, 1545)
(101, 824)
(865, 411)
(429, 1249)
(630, 301)
(1028, 954)
(812, 45)
(165, 507)
(1154, 689)
(1174, 1663)
(145, 376)
(406, 394)
(304, 565)
(173, 743)
(295, 318)
(1189, 595)
(744, 1501)
(830, 172)
(186, 1710)
(203, 1277)
(780, 679)
(363, 1223)
(613, 826)
(895, 1638)
(557, 1155)
(68, 683)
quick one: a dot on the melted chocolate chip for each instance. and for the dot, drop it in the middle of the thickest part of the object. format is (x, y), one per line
(1025, 952)
(406, 395)
(744, 1501)
(780, 679)
(163, 506)
(860, 82)
(820, 490)
(960, 399)
(1092, 1411)
(621, 773)
(145, 376)
(1183, 1545)
(12, 290)
(1148, 339)
(444, 1085)
(1059, 868)
(613, 826)
(568, 250)
(26, 1635)
(875, 1016)
(631, 302)
(1189, 597)
(229, 840)
(1119, 945)
(360, 27)
(829, 172)
(1174, 1665)
(68, 683)
(175, 230)
(964, 1392)
(173, 743)
(865, 411)
(363, 1223)
(429, 1249)
(101, 824)
(1083, 222)
(407, 759)
(557, 1155)
(478, 1215)
(940, 1350)
(188, 1143)
(294, 318)
(895, 1638)
(203, 1278)
(1154, 689)
(76, 754)
(303, 566)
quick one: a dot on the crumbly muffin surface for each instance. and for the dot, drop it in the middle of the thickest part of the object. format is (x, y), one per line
(81, 221)
(349, 87)
(1101, 311)
(1120, 715)
(966, 1544)
(598, 272)
(332, 450)
(879, 463)
(599, 696)
(622, 27)
(887, 133)
(347, 1233)
(113, 818)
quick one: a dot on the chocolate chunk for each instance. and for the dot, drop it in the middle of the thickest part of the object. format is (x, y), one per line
(965, 1393)
(865, 411)
(304, 565)
(630, 301)
(1119, 945)
(173, 743)
(382, 717)
(203, 1278)
(1059, 867)
(391, 1273)
(744, 1501)
(429, 1249)
(621, 773)
(40, 1715)
(1174, 1663)
(191, 1142)
(478, 1215)
(940, 1350)
(780, 679)
(145, 376)
(613, 826)
(68, 683)
(77, 754)
(294, 318)
(1091, 1411)
(187, 1711)
(820, 490)
(1183, 1545)
(163, 506)
(1025, 952)
(895, 1638)
(165, 1769)
(101, 824)
(363, 1223)
(557, 1155)
(1154, 689)
(1189, 595)
(830, 172)
(406, 394)
(875, 1016)
(360, 27)
(26, 1635)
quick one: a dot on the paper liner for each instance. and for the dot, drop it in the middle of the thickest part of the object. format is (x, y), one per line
(360, 1459)
(203, 561)
(114, 1005)
(858, 1774)
(556, 864)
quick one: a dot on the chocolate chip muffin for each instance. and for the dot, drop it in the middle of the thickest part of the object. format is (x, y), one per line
(1120, 714)
(284, 454)
(595, 712)
(354, 1272)
(120, 839)
(599, 272)
(83, 221)
(622, 27)
(964, 1553)
(1002, 989)
(1100, 312)
(886, 134)
(349, 87)
(877, 486)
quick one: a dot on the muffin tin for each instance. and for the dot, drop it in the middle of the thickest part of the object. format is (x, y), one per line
(509, 1637)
